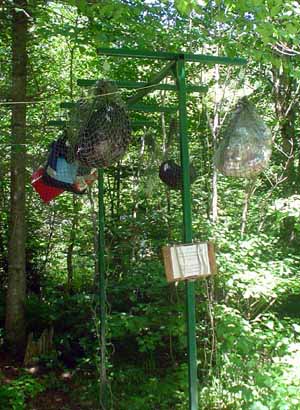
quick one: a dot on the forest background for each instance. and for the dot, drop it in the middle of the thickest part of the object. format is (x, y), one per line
(248, 324)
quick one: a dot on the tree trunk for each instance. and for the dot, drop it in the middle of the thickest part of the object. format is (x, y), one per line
(286, 95)
(250, 189)
(16, 292)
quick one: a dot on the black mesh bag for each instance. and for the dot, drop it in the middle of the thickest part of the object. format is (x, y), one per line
(105, 137)
(99, 128)
(171, 174)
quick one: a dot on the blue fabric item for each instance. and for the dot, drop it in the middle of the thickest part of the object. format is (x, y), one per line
(58, 149)
(65, 172)
(58, 172)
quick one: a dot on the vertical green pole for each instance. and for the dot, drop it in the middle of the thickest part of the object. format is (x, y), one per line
(187, 223)
(102, 290)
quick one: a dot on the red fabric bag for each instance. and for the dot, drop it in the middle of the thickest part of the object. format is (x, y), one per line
(46, 192)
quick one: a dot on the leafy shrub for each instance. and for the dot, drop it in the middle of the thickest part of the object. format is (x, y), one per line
(13, 395)
(137, 390)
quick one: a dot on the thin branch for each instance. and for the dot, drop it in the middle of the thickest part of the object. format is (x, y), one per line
(293, 100)
(279, 181)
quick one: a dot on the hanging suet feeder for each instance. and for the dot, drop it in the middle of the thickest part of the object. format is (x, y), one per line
(171, 174)
(100, 129)
(246, 148)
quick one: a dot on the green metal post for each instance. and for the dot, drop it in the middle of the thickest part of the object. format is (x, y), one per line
(187, 223)
(102, 290)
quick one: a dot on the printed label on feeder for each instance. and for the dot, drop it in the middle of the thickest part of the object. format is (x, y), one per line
(190, 261)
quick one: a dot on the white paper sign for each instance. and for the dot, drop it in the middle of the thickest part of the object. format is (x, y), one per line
(190, 261)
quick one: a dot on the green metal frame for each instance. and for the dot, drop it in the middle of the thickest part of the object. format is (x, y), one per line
(157, 55)
(139, 124)
(187, 232)
(165, 72)
(140, 84)
(102, 289)
(133, 107)
(175, 69)
(134, 124)
(57, 123)
(152, 108)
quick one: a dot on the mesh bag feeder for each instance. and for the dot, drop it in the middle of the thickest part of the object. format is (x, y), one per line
(247, 144)
(99, 129)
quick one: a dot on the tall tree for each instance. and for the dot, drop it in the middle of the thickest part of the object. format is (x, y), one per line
(16, 292)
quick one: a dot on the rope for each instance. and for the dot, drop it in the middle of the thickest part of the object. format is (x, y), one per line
(47, 101)
(83, 98)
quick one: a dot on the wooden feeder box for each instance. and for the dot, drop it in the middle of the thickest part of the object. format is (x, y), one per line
(189, 261)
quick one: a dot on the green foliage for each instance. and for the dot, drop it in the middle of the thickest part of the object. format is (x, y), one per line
(139, 390)
(248, 323)
(13, 395)
(184, 7)
(256, 362)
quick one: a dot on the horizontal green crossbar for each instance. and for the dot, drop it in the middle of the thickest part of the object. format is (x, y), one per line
(56, 123)
(152, 108)
(157, 55)
(134, 107)
(134, 124)
(139, 124)
(140, 84)
(67, 104)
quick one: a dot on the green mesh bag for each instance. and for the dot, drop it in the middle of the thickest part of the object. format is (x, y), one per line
(247, 144)
(99, 128)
